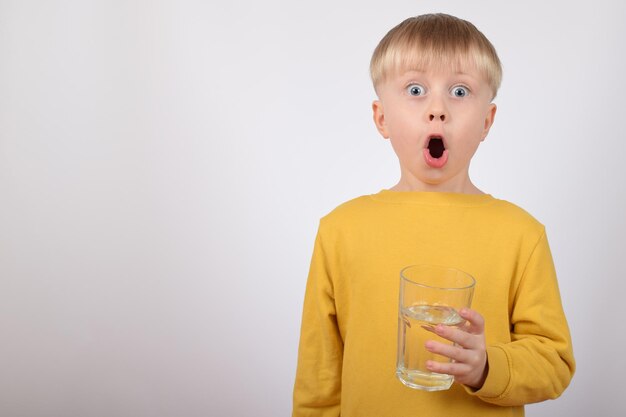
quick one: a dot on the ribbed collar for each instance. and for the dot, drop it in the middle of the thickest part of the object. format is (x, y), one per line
(433, 198)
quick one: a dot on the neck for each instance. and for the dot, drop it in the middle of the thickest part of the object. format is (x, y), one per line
(462, 186)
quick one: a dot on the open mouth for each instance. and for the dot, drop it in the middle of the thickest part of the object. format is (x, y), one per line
(436, 147)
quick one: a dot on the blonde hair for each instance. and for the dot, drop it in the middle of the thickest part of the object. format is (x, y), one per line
(435, 40)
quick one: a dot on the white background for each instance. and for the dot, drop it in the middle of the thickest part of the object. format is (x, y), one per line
(164, 165)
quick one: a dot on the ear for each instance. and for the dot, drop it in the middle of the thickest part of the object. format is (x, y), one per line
(379, 118)
(489, 118)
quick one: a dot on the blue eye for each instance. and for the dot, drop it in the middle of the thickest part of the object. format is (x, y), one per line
(415, 90)
(460, 91)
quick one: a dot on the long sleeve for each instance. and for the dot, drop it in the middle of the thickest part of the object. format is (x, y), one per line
(317, 389)
(538, 363)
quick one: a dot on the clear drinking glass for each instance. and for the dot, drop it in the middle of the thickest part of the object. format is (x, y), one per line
(429, 295)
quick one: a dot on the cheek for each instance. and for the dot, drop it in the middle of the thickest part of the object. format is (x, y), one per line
(475, 123)
(404, 127)
(402, 145)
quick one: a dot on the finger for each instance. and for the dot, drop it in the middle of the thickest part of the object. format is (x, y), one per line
(429, 328)
(474, 319)
(455, 353)
(455, 369)
(449, 351)
(456, 335)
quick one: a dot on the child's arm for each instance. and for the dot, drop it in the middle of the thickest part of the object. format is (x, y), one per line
(537, 364)
(317, 389)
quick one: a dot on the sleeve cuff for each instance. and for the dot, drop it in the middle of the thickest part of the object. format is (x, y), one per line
(498, 377)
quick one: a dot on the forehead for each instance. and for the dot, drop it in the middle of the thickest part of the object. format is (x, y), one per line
(445, 75)
(437, 70)
(468, 63)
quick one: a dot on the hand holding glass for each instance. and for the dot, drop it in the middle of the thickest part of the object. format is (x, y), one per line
(429, 295)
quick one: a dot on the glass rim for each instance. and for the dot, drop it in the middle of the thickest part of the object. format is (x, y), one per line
(439, 267)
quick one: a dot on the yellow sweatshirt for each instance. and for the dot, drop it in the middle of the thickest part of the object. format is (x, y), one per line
(347, 354)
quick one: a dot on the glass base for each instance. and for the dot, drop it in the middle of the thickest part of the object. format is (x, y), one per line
(426, 381)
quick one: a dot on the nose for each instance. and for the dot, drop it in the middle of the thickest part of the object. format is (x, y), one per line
(437, 110)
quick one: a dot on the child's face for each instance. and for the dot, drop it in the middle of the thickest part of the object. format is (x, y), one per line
(435, 120)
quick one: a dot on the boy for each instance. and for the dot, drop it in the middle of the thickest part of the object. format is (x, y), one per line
(435, 77)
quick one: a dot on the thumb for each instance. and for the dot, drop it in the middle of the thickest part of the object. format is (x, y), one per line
(475, 321)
